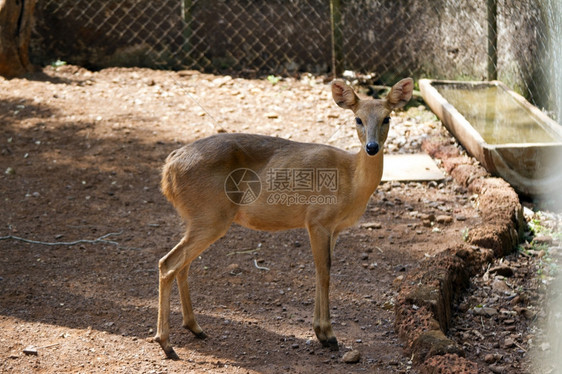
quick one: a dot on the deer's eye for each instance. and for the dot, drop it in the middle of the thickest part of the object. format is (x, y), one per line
(358, 121)
(386, 120)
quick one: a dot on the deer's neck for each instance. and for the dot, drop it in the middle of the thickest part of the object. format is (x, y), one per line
(368, 173)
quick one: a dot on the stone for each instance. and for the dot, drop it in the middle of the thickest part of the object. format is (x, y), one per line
(503, 270)
(351, 357)
(500, 285)
(444, 219)
(542, 239)
(485, 311)
(233, 269)
(30, 350)
(508, 343)
(371, 225)
(428, 217)
(497, 369)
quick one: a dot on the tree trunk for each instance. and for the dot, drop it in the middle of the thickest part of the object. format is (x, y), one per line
(16, 18)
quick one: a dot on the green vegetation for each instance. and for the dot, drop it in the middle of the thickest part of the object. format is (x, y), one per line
(58, 63)
(539, 227)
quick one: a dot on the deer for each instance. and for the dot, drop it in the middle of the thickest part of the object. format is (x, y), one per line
(219, 180)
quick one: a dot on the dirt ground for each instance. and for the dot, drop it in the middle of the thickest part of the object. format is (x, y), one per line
(81, 154)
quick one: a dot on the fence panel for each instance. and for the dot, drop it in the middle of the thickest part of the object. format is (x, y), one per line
(388, 39)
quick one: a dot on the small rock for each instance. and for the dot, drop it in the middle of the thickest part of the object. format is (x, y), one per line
(10, 171)
(460, 218)
(428, 217)
(398, 280)
(508, 343)
(364, 256)
(485, 311)
(500, 285)
(426, 223)
(295, 346)
(388, 305)
(504, 271)
(444, 219)
(542, 239)
(233, 269)
(489, 358)
(528, 314)
(272, 115)
(515, 300)
(371, 225)
(497, 369)
(219, 82)
(30, 350)
(351, 357)
(520, 310)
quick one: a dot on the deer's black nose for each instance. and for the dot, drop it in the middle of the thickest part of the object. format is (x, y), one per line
(372, 148)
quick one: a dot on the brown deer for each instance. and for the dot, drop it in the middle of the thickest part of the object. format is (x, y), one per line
(268, 183)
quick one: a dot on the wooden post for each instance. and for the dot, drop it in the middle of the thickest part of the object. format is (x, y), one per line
(15, 31)
(492, 40)
(337, 38)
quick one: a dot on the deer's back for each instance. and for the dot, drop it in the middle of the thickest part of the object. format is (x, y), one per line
(204, 164)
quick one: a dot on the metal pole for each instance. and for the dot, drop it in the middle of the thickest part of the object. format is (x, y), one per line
(337, 38)
(492, 40)
(186, 16)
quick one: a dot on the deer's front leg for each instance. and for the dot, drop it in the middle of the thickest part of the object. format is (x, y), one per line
(321, 244)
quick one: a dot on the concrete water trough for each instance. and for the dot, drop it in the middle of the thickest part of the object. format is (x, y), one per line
(510, 137)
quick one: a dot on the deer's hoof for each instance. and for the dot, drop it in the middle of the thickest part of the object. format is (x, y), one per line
(171, 354)
(331, 343)
(200, 335)
(168, 350)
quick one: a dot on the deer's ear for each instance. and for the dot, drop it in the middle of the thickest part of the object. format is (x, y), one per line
(400, 93)
(344, 95)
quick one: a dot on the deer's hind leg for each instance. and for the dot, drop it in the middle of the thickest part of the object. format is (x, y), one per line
(189, 321)
(175, 265)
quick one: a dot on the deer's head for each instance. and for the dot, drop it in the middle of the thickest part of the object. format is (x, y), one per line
(372, 115)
